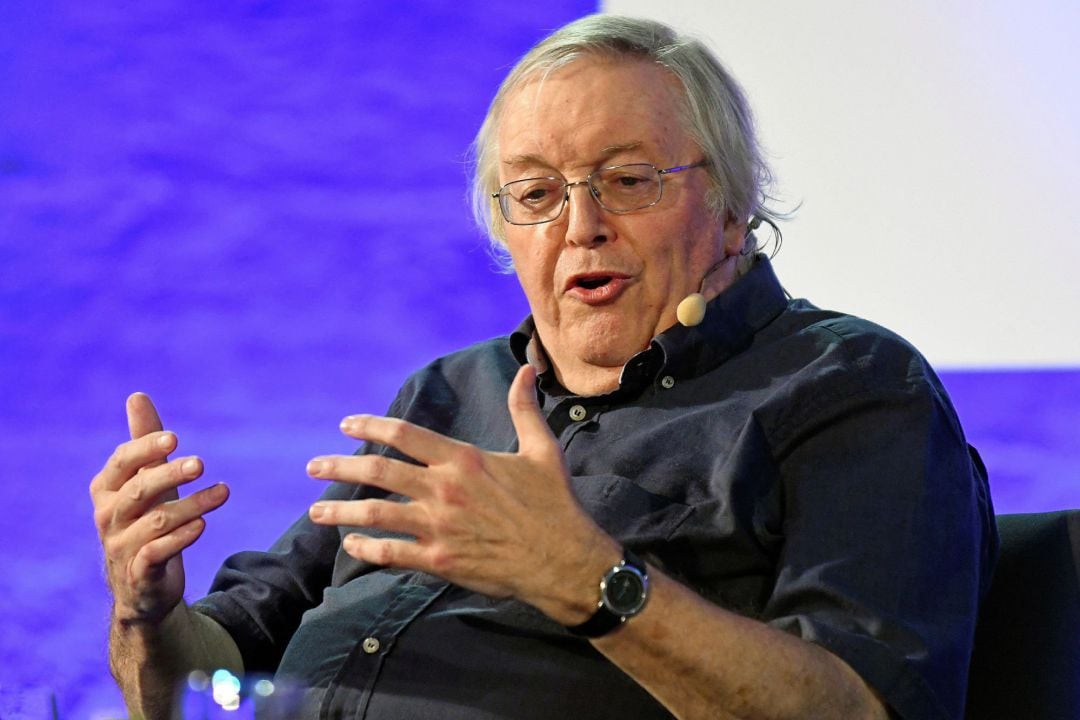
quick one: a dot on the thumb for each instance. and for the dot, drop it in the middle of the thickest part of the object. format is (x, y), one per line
(142, 416)
(534, 435)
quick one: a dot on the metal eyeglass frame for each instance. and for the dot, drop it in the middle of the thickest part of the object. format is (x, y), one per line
(593, 192)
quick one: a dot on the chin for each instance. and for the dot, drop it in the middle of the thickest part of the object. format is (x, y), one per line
(608, 344)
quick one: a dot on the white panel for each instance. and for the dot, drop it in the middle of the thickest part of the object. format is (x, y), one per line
(934, 148)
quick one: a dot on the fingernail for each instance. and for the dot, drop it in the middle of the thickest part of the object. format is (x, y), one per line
(164, 440)
(317, 467)
(190, 466)
(317, 511)
(348, 423)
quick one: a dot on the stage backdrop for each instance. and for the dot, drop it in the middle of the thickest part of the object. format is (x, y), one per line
(256, 214)
(932, 154)
(253, 211)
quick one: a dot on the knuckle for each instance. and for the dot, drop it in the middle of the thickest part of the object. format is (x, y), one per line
(112, 546)
(396, 432)
(140, 564)
(378, 467)
(373, 514)
(117, 461)
(137, 488)
(442, 560)
(384, 553)
(158, 519)
(452, 492)
(470, 459)
(102, 518)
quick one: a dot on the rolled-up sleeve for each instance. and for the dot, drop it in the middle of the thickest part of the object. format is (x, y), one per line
(888, 536)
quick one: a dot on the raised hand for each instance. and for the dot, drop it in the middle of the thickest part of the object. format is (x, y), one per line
(142, 522)
(503, 524)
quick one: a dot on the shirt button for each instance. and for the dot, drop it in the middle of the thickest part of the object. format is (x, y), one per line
(577, 413)
(668, 382)
(371, 645)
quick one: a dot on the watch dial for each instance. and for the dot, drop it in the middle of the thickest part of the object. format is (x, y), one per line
(624, 591)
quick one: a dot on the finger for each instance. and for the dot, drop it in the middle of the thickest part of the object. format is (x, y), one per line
(402, 517)
(142, 415)
(385, 551)
(159, 551)
(534, 435)
(147, 488)
(130, 457)
(421, 444)
(389, 474)
(167, 517)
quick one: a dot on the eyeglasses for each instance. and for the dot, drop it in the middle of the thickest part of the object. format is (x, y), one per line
(619, 189)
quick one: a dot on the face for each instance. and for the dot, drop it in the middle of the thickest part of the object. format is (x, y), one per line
(601, 285)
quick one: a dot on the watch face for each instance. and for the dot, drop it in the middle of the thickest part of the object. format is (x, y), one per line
(624, 592)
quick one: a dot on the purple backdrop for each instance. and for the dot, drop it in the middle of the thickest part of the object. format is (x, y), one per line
(256, 214)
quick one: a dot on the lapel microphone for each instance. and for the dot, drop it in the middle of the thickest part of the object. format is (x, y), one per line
(691, 310)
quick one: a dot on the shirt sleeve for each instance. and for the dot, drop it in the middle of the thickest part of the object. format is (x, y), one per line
(889, 535)
(261, 597)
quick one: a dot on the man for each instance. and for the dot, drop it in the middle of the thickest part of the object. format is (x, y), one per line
(764, 510)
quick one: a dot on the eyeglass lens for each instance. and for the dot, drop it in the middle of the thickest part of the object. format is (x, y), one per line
(618, 189)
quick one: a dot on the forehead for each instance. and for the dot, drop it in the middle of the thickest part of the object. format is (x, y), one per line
(592, 110)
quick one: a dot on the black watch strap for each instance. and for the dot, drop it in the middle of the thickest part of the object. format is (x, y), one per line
(604, 620)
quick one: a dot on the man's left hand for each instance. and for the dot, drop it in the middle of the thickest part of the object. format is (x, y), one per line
(502, 524)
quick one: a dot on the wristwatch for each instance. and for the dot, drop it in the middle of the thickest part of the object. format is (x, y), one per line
(624, 590)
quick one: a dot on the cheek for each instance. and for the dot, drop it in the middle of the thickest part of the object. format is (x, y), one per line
(534, 265)
(704, 243)
(680, 247)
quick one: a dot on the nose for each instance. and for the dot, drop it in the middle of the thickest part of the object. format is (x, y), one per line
(586, 222)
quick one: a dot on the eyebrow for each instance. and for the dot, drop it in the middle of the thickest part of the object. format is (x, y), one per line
(532, 159)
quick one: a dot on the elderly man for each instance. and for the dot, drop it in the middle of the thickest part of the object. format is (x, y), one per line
(672, 491)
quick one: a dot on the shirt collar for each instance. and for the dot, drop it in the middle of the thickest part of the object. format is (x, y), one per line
(731, 320)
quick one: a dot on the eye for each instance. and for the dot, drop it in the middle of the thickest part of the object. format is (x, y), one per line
(534, 194)
(629, 179)
(535, 191)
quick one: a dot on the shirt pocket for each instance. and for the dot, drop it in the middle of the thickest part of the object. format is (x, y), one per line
(632, 515)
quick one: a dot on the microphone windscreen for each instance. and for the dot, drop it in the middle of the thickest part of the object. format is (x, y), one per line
(691, 311)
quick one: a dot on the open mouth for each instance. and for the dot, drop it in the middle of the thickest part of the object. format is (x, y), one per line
(593, 282)
(597, 288)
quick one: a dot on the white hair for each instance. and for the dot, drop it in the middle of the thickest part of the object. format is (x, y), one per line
(714, 110)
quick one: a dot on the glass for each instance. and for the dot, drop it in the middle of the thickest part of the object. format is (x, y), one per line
(618, 189)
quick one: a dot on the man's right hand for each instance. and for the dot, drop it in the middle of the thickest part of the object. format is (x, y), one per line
(143, 523)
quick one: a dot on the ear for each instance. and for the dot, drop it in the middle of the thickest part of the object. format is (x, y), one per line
(734, 236)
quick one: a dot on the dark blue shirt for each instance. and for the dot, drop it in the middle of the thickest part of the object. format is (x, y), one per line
(795, 465)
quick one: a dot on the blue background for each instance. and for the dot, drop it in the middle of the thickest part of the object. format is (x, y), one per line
(256, 213)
